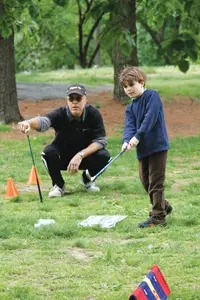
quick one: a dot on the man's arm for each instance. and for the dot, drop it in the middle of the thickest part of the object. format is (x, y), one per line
(92, 148)
(37, 123)
(77, 159)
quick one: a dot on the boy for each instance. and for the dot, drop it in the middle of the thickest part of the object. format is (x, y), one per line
(145, 129)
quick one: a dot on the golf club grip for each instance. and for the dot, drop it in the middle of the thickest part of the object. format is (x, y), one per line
(106, 166)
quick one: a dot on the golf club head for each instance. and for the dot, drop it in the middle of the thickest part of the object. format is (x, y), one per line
(87, 173)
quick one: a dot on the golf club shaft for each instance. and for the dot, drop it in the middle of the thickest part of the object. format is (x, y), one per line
(106, 166)
(38, 184)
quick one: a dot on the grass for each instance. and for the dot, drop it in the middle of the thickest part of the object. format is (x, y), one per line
(66, 261)
(5, 128)
(168, 81)
(93, 76)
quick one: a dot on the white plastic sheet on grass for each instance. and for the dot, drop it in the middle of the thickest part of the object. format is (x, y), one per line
(44, 222)
(103, 221)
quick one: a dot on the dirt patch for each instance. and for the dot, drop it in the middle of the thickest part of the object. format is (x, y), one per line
(82, 254)
(182, 115)
(180, 183)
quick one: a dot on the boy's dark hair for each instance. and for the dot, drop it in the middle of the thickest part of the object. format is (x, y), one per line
(131, 74)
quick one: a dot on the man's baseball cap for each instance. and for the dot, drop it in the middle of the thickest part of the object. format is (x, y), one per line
(76, 89)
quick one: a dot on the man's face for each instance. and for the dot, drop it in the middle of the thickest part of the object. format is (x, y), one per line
(135, 89)
(76, 104)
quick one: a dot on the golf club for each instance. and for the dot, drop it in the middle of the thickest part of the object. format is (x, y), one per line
(38, 185)
(93, 178)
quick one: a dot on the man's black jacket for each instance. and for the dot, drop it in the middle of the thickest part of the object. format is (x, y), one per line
(72, 134)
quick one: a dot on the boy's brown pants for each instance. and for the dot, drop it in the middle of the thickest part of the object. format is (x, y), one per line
(152, 176)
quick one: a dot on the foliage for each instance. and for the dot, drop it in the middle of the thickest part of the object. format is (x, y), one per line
(57, 42)
(47, 33)
(12, 15)
(174, 26)
(65, 261)
(148, 54)
(46, 47)
(118, 23)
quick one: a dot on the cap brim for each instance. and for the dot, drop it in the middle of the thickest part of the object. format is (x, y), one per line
(75, 92)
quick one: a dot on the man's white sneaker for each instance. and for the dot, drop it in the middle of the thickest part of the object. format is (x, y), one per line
(56, 191)
(91, 187)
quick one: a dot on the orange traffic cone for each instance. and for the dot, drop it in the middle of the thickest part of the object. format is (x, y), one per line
(11, 190)
(32, 176)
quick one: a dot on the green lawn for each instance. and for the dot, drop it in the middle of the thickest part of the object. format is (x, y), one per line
(93, 76)
(168, 81)
(65, 261)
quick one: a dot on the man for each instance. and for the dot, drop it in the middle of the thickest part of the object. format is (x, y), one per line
(79, 142)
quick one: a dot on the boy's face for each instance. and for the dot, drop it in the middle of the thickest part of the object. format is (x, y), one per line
(135, 89)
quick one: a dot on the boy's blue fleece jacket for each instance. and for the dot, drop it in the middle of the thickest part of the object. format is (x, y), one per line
(144, 119)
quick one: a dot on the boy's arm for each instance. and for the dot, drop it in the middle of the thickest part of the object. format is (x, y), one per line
(152, 112)
(129, 139)
(129, 126)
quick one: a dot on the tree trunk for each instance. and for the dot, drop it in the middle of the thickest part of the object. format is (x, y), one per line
(9, 110)
(118, 58)
(96, 39)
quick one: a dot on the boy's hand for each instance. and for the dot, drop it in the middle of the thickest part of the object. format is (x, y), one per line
(132, 143)
(124, 146)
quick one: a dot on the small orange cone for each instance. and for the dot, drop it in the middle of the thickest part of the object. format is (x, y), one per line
(11, 190)
(32, 176)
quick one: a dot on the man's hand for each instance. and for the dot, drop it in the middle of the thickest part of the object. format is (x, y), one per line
(24, 126)
(74, 164)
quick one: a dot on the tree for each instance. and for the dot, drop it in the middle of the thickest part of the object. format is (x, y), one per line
(10, 13)
(53, 44)
(174, 27)
(119, 37)
(9, 110)
(147, 50)
(66, 36)
(125, 46)
(84, 47)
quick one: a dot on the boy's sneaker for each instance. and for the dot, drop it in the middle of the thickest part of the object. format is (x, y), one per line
(149, 223)
(56, 191)
(169, 209)
(89, 185)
